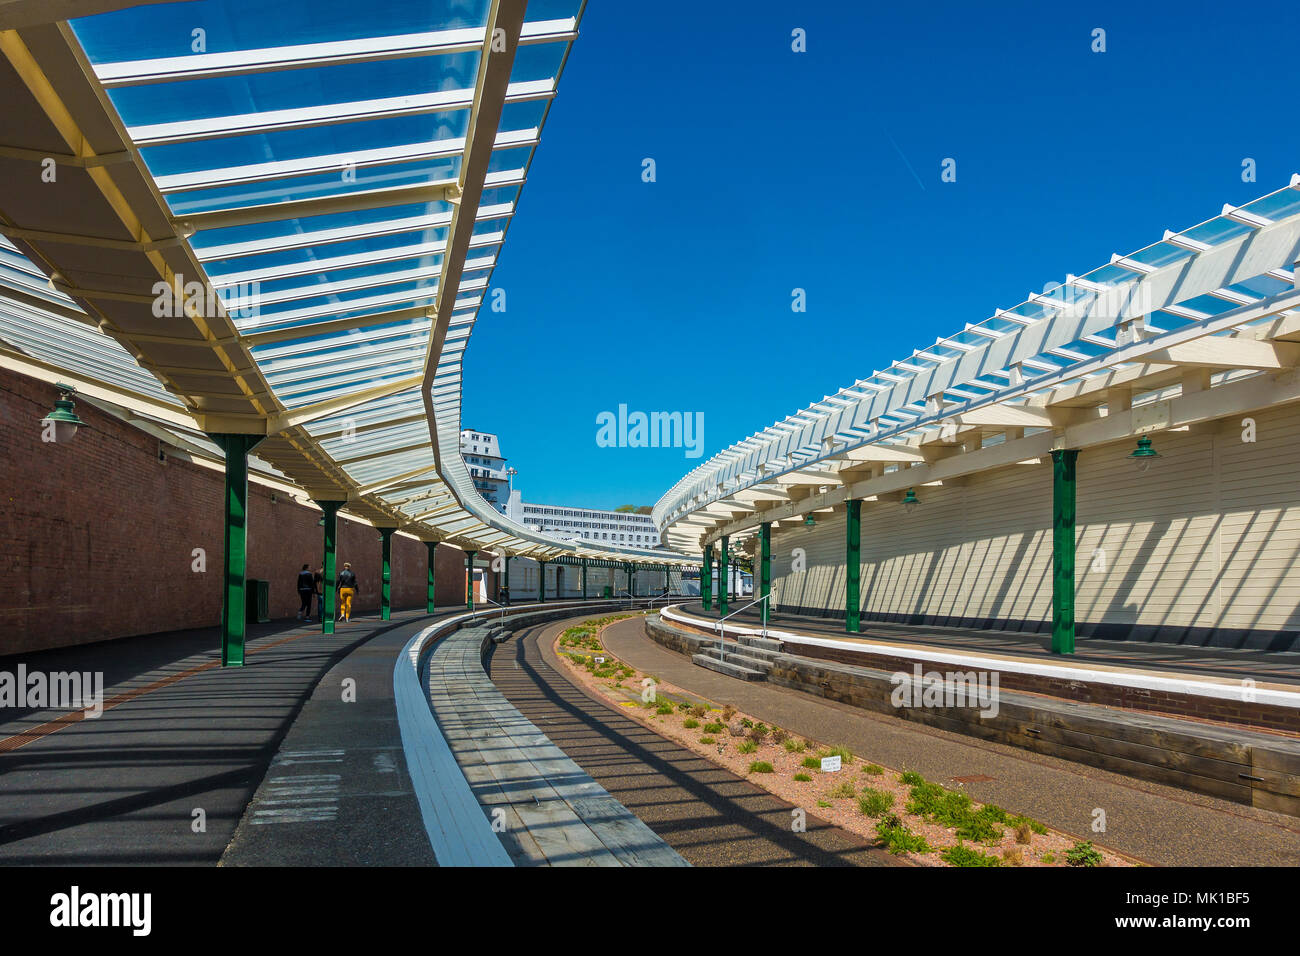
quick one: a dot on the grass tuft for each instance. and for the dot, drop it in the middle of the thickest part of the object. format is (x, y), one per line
(962, 855)
(875, 803)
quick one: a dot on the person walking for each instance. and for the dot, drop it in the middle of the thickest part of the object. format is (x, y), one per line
(306, 588)
(318, 584)
(347, 590)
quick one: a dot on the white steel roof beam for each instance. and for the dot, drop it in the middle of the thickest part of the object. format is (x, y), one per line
(326, 114)
(357, 260)
(313, 55)
(221, 177)
(322, 237)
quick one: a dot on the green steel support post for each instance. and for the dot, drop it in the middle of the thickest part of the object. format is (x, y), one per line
(765, 570)
(584, 579)
(1063, 473)
(429, 606)
(853, 568)
(541, 582)
(706, 579)
(234, 608)
(469, 580)
(631, 590)
(329, 565)
(386, 580)
(722, 577)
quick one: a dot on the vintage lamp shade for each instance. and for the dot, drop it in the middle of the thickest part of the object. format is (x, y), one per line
(64, 417)
(1143, 455)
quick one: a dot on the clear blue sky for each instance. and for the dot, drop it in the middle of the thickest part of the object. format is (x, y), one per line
(776, 170)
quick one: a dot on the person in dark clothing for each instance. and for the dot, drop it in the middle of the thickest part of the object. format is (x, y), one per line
(306, 588)
(318, 582)
(347, 584)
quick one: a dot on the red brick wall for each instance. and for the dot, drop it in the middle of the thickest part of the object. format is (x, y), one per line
(97, 536)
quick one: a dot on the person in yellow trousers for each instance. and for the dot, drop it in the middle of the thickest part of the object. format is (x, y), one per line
(347, 585)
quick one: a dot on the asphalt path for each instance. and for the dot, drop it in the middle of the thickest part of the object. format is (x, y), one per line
(707, 814)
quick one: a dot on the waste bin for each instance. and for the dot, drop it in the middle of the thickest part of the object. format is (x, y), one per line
(257, 601)
(609, 591)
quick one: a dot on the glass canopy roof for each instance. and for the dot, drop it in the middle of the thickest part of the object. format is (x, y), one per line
(346, 174)
(1244, 258)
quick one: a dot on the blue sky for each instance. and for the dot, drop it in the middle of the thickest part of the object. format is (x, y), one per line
(820, 170)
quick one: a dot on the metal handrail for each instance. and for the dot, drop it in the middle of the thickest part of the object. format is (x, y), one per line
(666, 596)
(720, 626)
(503, 610)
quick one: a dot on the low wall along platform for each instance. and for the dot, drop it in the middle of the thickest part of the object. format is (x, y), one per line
(1246, 766)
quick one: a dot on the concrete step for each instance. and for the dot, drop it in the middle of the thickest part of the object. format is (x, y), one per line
(727, 667)
(740, 656)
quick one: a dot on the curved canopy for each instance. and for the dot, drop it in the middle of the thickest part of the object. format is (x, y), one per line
(280, 220)
(1193, 327)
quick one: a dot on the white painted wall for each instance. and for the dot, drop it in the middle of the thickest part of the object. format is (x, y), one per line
(523, 580)
(1209, 537)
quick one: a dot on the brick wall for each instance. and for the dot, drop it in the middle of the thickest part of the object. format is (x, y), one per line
(97, 536)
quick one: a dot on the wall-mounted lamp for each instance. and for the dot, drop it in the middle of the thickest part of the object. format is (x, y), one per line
(64, 418)
(910, 501)
(810, 522)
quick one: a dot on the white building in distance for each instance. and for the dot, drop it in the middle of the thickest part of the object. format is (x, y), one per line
(482, 454)
(592, 525)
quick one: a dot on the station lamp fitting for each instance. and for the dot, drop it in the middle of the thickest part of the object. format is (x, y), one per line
(64, 417)
(1143, 455)
(810, 521)
(910, 501)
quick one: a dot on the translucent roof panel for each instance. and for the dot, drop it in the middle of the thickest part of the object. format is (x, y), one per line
(167, 30)
(335, 140)
(292, 189)
(155, 103)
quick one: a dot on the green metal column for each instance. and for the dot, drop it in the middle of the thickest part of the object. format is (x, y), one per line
(329, 605)
(386, 581)
(469, 580)
(541, 582)
(706, 579)
(1063, 462)
(765, 570)
(722, 577)
(234, 610)
(631, 590)
(853, 568)
(584, 579)
(329, 564)
(433, 563)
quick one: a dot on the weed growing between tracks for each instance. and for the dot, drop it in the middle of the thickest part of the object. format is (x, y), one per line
(903, 812)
